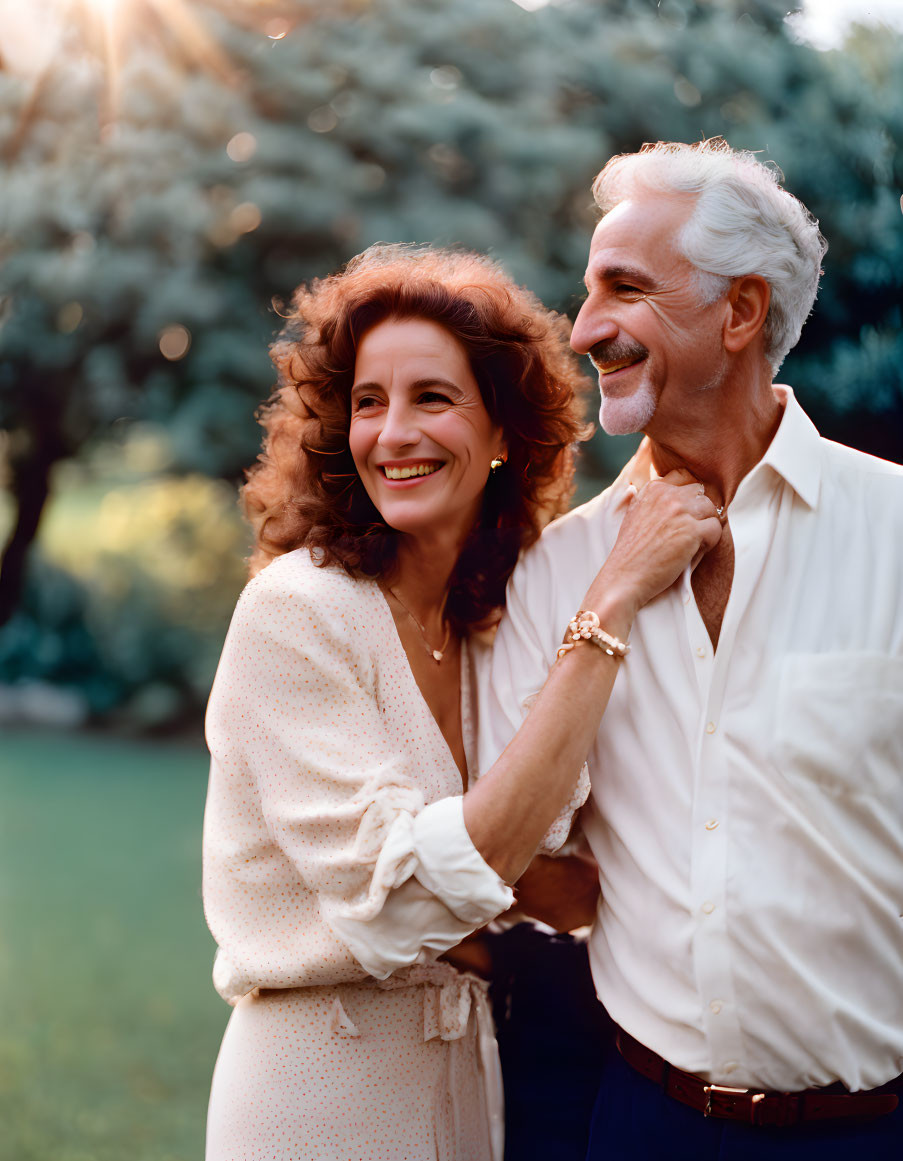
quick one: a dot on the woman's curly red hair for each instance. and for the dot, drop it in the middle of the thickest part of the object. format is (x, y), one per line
(304, 490)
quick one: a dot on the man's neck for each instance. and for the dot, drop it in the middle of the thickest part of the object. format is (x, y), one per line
(720, 438)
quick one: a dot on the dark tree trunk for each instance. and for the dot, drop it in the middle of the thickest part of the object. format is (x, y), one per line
(30, 487)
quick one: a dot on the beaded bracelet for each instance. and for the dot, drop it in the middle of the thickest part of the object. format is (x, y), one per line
(585, 627)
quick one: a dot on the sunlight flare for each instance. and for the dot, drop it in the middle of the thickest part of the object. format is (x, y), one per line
(35, 39)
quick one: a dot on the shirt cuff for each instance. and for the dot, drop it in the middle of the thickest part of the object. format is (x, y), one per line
(436, 889)
(451, 867)
(412, 927)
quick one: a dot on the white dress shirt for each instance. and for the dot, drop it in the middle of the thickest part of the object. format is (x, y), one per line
(747, 804)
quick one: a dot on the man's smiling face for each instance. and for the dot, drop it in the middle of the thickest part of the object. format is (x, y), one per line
(643, 323)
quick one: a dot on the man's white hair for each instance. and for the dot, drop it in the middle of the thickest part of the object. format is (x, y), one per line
(743, 222)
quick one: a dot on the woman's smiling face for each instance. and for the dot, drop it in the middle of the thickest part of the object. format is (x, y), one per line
(420, 435)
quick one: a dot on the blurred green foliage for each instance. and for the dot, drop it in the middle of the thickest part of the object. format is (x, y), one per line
(126, 602)
(173, 220)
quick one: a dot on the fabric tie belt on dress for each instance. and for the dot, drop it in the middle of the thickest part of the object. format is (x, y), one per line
(776, 1109)
(449, 997)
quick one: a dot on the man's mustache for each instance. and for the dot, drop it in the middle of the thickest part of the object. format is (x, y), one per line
(617, 351)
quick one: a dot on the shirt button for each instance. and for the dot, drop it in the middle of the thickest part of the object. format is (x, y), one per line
(710, 728)
(715, 1005)
(700, 652)
(708, 908)
(729, 1066)
(711, 824)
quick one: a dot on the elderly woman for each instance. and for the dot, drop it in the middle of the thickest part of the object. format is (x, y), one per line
(419, 438)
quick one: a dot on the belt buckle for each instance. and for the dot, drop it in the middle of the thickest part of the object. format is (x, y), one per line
(722, 1090)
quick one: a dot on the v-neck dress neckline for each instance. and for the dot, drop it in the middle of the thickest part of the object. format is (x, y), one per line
(468, 732)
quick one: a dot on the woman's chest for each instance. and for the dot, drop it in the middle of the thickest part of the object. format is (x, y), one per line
(423, 720)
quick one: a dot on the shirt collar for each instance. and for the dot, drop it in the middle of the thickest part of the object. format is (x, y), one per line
(794, 454)
(795, 451)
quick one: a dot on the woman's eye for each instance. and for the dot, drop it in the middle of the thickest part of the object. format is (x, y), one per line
(363, 402)
(434, 397)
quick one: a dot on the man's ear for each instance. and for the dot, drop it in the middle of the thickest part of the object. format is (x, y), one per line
(748, 299)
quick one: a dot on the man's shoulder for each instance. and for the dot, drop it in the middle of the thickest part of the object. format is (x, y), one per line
(592, 517)
(858, 483)
(844, 460)
(569, 552)
(850, 459)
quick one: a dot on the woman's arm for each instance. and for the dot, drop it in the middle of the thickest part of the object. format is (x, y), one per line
(668, 525)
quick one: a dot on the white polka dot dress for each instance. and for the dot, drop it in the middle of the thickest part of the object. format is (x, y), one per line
(336, 868)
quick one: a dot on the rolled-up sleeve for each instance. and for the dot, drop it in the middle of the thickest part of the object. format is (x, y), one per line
(451, 892)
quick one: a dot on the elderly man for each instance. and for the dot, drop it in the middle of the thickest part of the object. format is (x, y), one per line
(747, 781)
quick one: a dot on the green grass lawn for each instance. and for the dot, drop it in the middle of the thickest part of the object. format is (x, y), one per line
(109, 1025)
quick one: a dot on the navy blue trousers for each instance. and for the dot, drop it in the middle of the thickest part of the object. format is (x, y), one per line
(633, 1120)
(553, 1036)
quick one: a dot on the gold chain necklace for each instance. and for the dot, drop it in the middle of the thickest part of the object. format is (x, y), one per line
(436, 654)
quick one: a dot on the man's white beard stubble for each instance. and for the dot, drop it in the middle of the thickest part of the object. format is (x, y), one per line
(624, 414)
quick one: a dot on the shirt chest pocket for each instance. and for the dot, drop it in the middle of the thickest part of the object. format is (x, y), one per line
(839, 722)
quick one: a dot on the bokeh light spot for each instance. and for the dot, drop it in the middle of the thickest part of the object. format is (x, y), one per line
(370, 177)
(245, 218)
(687, 93)
(344, 103)
(446, 77)
(174, 342)
(69, 318)
(242, 147)
(323, 120)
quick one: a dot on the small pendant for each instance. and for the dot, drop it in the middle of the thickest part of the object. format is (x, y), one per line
(437, 656)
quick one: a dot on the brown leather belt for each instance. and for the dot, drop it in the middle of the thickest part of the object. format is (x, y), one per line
(779, 1109)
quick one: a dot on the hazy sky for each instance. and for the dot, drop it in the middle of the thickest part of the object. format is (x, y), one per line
(822, 22)
(28, 30)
